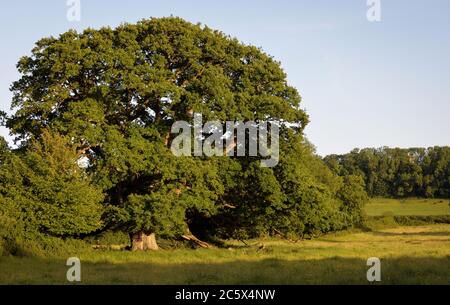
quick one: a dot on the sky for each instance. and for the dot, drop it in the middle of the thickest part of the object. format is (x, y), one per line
(363, 84)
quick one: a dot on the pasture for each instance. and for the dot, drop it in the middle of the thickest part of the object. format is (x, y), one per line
(408, 207)
(409, 255)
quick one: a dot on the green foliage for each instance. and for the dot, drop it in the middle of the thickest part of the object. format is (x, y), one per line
(380, 222)
(300, 197)
(3, 146)
(354, 197)
(110, 97)
(3, 117)
(422, 220)
(8, 232)
(17, 239)
(46, 191)
(109, 238)
(414, 172)
(390, 221)
(117, 92)
(309, 207)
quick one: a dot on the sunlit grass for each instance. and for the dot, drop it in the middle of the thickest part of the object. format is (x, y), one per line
(408, 207)
(410, 255)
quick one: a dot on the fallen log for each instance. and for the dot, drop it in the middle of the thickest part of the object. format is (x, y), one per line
(284, 236)
(197, 241)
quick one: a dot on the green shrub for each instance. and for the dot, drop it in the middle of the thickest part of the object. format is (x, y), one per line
(109, 238)
(42, 246)
(380, 222)
(390, 221)
(422, 220)
(16, 241)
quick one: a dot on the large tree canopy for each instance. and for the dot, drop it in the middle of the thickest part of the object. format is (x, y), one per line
(146, 76)
(115, 93)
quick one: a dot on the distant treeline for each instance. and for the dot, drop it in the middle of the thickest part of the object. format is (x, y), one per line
(395, 172)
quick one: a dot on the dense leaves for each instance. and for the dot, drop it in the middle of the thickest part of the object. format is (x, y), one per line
(299, 198)
(398, 172)
(93, 113)
(54, 195)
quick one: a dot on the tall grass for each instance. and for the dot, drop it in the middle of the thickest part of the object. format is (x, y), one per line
(410, 255)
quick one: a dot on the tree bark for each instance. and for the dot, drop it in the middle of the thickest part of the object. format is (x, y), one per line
(144, 242)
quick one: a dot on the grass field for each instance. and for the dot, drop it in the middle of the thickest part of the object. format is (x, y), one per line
(408, 207)
(409, 255)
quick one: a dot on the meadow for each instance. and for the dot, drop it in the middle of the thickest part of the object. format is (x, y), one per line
(408, 207)
(409, 255)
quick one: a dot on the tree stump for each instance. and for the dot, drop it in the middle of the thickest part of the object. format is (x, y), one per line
(144, 242)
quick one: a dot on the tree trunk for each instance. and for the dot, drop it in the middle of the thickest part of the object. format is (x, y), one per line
(144, 242)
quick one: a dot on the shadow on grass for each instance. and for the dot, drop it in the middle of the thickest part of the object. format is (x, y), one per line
(337, 270)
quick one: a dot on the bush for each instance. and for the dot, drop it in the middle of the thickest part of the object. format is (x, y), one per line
(109, 238)
(46, 189)
(10, 229)
(390, 221)
(379, 222)
(38, 245)
(16, 241)
(422, 220)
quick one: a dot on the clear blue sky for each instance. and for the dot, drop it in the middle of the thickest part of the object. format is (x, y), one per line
(363, 84)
